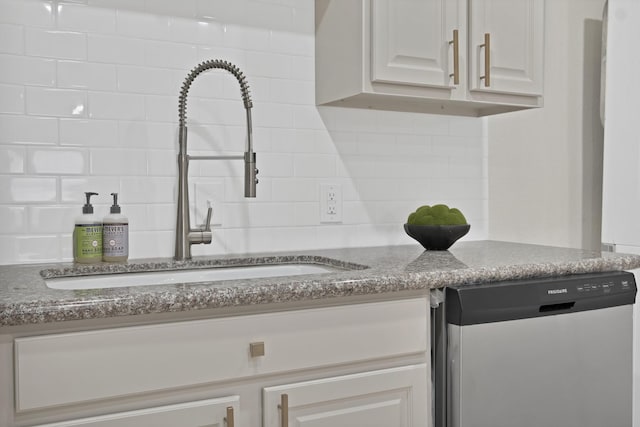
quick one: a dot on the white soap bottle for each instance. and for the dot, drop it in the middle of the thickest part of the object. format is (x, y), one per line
(115, 236)
(87, 235)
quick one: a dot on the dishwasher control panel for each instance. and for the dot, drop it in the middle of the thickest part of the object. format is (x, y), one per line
(588, 285)
(605, 287)
(519, 299)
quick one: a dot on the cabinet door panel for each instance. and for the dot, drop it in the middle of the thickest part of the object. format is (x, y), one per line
(396, 397)
(516, 45)
(410, 41)
(205, 413)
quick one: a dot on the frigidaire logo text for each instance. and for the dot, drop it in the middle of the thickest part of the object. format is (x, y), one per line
(557, 291)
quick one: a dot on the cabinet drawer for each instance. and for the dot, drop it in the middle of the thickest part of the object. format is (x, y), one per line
(77, 367)
(209, 413)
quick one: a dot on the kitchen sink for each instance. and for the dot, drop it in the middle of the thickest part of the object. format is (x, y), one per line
(168, 277)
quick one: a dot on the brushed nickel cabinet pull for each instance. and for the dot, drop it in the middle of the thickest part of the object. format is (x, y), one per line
(256, 349)
(487, 60)
(284, 410)
(229, 418)
(456, 62)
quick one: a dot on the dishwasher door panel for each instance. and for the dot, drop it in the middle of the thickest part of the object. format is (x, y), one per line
(565, 370)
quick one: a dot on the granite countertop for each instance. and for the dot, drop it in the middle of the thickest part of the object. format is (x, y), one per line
(26, 300)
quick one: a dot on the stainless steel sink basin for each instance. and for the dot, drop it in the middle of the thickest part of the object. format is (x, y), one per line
(168, 277)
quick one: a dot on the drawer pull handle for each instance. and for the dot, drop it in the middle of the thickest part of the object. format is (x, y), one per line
(487, 60)
(229, 418)
(284, 410)
(256, 349)
(456, 62)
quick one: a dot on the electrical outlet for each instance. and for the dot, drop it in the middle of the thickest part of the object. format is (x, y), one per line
(330, 203)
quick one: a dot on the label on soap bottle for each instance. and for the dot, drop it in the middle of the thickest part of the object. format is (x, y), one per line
(116, 240)
(88, 242)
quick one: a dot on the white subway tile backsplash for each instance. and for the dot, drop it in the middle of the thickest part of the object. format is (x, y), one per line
(12, 159)
(300, 190)
(276, 165)
(263, 64)
(51, 219)
(115, 49)
(35, 248)
(162, 108)
(273, 115)
(16, 189)
(13, 220)
(148, 244)
(307, 117)
(11, 99)
(119, 162)
(158, 217)
(303, 68)
(172, 8)
(56, 102)
(72, 189)
(149, 189)
(138, 5)
(55, 44)
(36, 13)
(56, 161)
(142, 25)
(292, 43)
(236, 56)
(117, 106)
(162, 163)
(83, 18)
(25, 70)
(292, 91)
(170, 55)
(147, 80)
(11, 38)
(241, 37)
(90, 103)
(87, 75)
(28, 129)
(161, 136)
(89, 133)
(306, 214)
(200, 31)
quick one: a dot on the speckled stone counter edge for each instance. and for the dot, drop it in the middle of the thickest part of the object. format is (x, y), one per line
(25, 299)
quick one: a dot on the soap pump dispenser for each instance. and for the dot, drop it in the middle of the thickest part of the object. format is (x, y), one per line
(115, 234)
(87, 235)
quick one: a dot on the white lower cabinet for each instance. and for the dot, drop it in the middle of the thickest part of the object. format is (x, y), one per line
(361, 364)
(210, 413)
(396, 397)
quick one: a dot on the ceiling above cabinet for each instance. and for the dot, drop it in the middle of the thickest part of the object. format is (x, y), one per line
(458, 57)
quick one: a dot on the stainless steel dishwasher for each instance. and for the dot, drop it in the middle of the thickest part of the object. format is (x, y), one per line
(551, 352)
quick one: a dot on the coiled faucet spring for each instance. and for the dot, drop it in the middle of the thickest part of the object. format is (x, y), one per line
(209, 65)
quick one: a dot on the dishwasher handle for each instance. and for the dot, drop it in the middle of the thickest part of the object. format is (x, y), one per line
(563, 306)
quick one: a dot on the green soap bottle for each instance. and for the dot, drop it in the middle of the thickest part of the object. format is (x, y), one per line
(87, 235)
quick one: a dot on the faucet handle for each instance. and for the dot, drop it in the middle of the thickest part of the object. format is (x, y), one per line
(207, 222)
(203, 233)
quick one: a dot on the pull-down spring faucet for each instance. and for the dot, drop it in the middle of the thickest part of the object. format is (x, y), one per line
(185, 235)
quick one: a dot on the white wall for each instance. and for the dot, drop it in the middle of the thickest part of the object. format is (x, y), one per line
(88, 102)
(622, 151)
(545, 166)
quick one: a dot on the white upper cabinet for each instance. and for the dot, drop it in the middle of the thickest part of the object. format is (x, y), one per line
(462, 57)
(407, 38)
(514, 29)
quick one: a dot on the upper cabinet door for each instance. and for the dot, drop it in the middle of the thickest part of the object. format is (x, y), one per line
(514, 30)
(410, 41)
